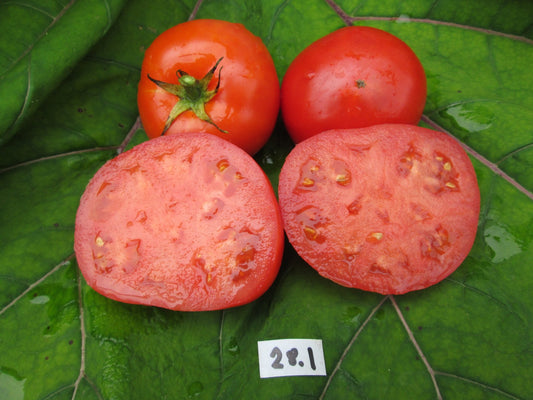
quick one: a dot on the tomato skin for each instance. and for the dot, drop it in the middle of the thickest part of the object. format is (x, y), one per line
(247, 103)
(186, 222)
(390, 208)
(354, 77)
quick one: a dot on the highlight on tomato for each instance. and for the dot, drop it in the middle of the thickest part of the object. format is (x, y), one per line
(354, 77)
(389, 208)
(186, 222)
(209, 76)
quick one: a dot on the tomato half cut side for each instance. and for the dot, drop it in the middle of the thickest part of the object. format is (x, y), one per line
(389, 208)
(186, 222)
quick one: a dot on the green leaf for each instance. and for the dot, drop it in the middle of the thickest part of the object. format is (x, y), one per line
(42, 41)
(467, 337)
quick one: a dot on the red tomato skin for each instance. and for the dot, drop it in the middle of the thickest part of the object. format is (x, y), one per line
(248, 100)
(354, 77)
(185, 222)
(389, 209)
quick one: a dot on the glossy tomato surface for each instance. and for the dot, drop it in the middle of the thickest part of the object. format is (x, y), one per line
(354, 77)
(185, 222)
(247, 102)
(389, 208)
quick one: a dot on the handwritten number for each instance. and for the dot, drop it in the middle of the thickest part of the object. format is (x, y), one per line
(291, 355)
(277, 355)
(311, 358)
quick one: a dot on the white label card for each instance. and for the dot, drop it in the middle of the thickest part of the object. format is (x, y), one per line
(291, 357)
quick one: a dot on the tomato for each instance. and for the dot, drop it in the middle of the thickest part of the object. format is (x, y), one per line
(390, 208)
(233, 88)
(354, 77)
(186, 222)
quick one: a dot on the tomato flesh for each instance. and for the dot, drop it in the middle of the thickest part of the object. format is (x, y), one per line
(185, 222)
(390, 208)
(246, 106)
(354, 77)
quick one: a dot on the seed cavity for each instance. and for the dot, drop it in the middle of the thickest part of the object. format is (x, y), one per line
(310, 233)
(420, 213)
(312, 221)
(102, 187)
(374, 237)
(379, 269)
(435, 244)
(407, 160)
(310, 176)
(211, 207)
(343, 176)
(222, 165)
(141, 217)
(383, 215)
(354, 207)
(244, 262)
(350, 252)
(444, 173)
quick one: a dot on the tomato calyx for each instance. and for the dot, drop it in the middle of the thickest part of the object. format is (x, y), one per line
(192, 93)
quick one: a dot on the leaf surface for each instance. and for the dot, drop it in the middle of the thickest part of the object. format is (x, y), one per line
(40, 44)
(467, 337)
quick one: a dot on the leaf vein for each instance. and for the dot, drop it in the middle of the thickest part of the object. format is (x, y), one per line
(36, 283)
(417, 347)
(83, 335)
(349, 20)
(473, 382)
(195, 10)
(42, 34)
(349, 346)
(30, 6)
(275, 17)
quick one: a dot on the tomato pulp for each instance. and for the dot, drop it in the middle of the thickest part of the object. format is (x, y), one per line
(389, 208)
(354, 77)
(246, 104)
(185, 222)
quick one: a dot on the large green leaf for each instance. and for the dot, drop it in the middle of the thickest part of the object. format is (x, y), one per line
(468, 337)
(41, 42)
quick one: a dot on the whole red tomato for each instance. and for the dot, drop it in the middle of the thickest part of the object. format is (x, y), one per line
(209, 76)
(352, 78)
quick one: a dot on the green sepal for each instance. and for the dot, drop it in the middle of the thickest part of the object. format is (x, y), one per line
(192, 93)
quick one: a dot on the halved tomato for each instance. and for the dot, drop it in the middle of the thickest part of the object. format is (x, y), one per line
(187, 222)
(389, 208)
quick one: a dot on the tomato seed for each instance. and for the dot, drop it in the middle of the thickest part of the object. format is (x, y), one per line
(308, 182)
(222, 165)
(374, 237)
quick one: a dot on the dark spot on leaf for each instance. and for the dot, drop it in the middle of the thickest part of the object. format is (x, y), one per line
(70, 341)
(80, 110)
(121, 125)
(46, 358)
